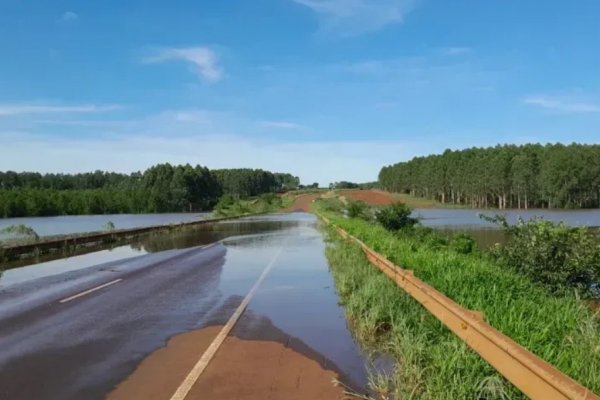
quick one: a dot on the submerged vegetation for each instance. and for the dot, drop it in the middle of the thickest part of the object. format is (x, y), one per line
(431, 362)
(532, 175)
(162, 188)
(18, 233)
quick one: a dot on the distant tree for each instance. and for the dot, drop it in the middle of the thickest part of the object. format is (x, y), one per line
(161, 188)
(531, 175)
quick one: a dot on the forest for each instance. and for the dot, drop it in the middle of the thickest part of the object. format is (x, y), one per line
(161, 188)
(504, 176)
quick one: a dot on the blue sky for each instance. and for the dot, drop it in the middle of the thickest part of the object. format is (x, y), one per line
(325, 89)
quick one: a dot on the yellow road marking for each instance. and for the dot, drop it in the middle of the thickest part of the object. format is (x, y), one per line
(185, 387)
(90, 291)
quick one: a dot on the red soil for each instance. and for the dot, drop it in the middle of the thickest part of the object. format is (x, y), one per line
(372, 197)
(302, 203)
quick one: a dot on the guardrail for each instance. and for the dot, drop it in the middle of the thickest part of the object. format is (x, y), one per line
(41, 246)
(533, 376)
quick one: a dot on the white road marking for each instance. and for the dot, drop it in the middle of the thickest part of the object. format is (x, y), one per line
(185, 387)
(76, 296)
(111, 282)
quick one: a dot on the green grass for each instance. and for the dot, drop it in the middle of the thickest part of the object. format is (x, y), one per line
(287, 200)
(431, 362)
(265, 203)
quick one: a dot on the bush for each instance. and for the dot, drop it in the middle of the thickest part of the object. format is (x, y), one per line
(395, 217)
(330, 204)
(19, 232)
(463, 243)
(557, 256)
(269, 198)
(357, 209)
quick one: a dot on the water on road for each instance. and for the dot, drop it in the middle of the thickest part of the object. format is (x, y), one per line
(164, 286)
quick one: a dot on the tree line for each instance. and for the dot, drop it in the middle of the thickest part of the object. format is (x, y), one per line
(504, 176)
(161, 188)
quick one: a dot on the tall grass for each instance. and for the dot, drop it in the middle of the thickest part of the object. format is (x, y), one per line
(432, 363)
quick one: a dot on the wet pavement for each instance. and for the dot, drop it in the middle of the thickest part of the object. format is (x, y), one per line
(86, 346)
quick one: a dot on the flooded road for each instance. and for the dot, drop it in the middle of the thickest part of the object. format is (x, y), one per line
(85, 330)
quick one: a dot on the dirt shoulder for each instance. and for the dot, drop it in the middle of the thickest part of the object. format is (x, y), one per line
(302, 203)
(241, 369)
(381, 198)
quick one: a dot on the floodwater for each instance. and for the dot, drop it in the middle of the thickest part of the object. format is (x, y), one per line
(171, 285)
(190, 236)
(70, 224)
(452, 221)
(469, 218)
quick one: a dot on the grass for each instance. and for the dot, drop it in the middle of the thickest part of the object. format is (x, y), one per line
(287, 200)
(431, 362)
(269, 202)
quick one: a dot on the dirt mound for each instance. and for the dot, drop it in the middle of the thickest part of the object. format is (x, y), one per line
(372, 197)
(302, 203)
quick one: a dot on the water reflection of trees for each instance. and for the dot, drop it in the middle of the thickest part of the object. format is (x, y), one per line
(175, 239)
(205, 234)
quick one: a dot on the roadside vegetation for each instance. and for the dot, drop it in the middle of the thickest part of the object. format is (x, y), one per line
(18, 233)
(543, 312)
(228, 206)
(509, 176)
(161, 188)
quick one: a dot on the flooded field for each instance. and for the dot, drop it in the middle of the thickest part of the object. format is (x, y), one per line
(470, 218)
(486, 234)
(69, 224)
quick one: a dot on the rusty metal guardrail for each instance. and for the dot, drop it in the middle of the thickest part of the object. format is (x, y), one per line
(533, 376)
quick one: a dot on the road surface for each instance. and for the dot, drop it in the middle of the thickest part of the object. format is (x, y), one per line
(136, 327)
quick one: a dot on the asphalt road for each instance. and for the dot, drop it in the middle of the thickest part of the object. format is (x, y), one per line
(80, 333)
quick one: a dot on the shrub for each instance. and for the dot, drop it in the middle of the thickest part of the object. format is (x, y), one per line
(463, 243)
(395, 217)
(330, 204)
(357, 209)
(20, 231)
(555, 255)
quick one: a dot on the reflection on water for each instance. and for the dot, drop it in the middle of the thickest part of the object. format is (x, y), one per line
(486, 234)
(184, 237)
(458, 218)
(70, 224)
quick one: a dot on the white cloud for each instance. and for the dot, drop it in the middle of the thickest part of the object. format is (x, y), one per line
(20, 109)
(455, 51)
(353, 17)
(69, 16)
(280, 124)
(562, 104)
(203, 59)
